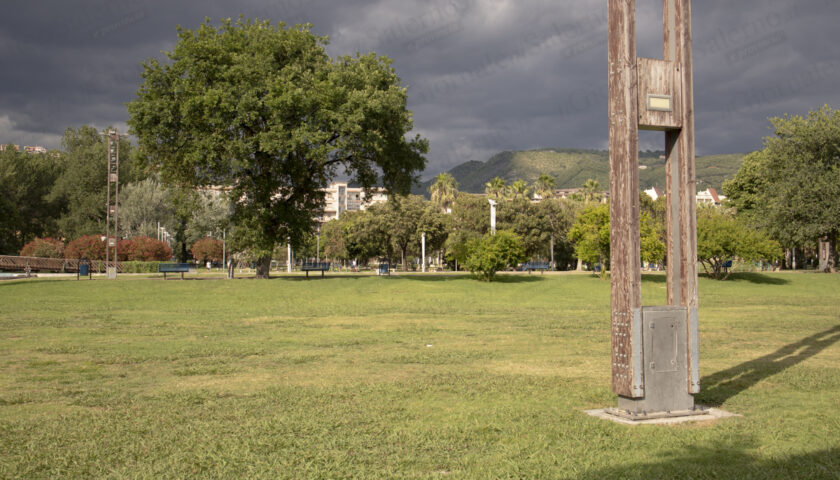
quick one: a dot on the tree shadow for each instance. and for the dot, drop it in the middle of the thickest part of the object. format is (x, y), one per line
(757, 278)
(726, 461)
(654, 278)
(723, 385)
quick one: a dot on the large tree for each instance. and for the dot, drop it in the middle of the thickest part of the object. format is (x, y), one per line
(722, 237)
(263, 109)
(792, 187)
(26, 209)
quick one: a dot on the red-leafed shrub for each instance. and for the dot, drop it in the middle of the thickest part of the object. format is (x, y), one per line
(43, 247)
(145, 249)
(123, 250)
(207, 249)
(90, 246)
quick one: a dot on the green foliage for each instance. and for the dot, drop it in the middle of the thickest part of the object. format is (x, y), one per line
(792, 187)
(519, 190)
(591, 235)
(44, 248)
(263, 109)
(91, 247)
(143, 205)
(721, 237)
(444, 191)
(492, 253)
(207, 249)
(26, 208)
(545, 186)
(496, 189)
(139, 267)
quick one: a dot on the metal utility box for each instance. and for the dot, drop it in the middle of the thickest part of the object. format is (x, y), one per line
(664, 362)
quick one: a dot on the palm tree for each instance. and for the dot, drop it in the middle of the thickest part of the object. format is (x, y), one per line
(591, 190)
(444, 191)
(520, 189)
(545, 185)
(495, 189)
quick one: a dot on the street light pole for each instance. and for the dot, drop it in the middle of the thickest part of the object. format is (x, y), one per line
(423, 240)
(493, 204)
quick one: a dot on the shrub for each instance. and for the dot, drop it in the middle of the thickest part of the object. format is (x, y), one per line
(140, 267)
(147, 249)
(44, 248)
(489, 254)
(89, 246)
(207, 249)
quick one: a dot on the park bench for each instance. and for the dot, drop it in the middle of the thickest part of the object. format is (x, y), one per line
(531, 266)
(181, 268)
(315, 267)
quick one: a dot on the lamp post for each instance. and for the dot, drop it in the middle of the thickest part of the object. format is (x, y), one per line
(423, 248)
(493, 204)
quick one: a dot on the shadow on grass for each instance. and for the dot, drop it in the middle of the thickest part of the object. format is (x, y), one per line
(757, 278)
(721, 386)
(429, 277)
(729, 461)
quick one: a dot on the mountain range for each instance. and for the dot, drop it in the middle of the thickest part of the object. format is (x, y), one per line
(572, 167)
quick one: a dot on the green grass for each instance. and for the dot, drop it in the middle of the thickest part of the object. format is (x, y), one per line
(402, 377)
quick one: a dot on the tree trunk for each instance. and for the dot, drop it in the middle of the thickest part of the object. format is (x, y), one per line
(579, 265)
(825, 254)
(402, 252)
(831, 254)
(264, 266)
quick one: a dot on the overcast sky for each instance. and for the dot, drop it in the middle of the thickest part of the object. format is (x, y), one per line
(482, 75)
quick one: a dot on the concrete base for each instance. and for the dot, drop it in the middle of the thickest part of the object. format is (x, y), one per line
(700, 415)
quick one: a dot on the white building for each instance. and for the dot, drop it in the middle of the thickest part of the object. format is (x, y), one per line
(710, 196)
(342, 198)
(654, 193)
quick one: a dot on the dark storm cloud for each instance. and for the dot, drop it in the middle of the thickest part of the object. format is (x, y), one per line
(483, 75)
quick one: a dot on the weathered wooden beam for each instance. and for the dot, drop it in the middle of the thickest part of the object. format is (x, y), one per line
(681, 181)
(625, 269)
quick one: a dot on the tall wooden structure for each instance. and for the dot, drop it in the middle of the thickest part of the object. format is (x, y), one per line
(654, 349)
(112, 202)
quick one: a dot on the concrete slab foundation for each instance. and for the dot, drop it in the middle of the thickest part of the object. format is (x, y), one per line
(703, 414)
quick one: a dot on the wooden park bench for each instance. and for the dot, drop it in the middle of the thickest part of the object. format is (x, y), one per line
(181, 268)
(315, 267)
(531, 266)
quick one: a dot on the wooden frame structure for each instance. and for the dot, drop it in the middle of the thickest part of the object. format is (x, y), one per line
(650, 94)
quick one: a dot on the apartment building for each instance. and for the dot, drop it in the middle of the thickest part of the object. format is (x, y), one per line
(340, 197)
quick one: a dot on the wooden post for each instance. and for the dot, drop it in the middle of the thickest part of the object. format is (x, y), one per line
(681, 181)
(625, 250)
(657, 95)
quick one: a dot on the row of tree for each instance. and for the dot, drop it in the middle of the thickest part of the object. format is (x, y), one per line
(61, 195)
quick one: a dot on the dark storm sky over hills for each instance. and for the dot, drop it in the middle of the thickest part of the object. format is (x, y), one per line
(483, 75)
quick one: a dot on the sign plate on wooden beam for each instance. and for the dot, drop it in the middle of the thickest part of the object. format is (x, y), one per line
(659, 94)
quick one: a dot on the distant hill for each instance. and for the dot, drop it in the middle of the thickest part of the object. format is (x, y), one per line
(572, 167)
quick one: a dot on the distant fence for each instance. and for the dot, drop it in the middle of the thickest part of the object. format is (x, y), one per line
(59, 265)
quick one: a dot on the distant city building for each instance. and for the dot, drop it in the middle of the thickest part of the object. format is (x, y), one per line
(3, 147)
(710, 196)
(34, 149)
(340, 198)
(654, 193)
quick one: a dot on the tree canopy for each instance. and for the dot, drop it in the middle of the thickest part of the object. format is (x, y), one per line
(263, 109)
(792, 187)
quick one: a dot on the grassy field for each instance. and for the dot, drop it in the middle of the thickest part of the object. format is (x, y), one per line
(402, 377)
